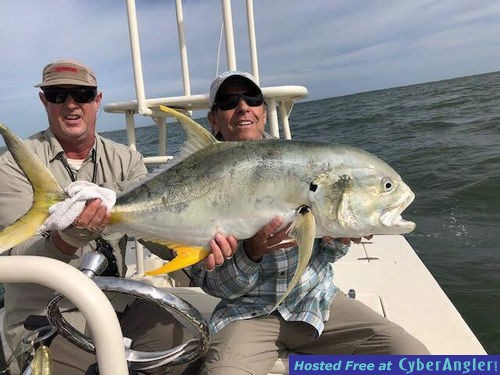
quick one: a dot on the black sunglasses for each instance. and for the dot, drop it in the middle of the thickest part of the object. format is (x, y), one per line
(59, 95)
(230, 101)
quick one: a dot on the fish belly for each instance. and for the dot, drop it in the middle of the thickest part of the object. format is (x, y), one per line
(200, 221)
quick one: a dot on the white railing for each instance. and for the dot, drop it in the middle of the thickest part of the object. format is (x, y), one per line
(280, 99)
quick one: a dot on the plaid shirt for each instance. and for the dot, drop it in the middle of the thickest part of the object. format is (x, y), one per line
(250, 289)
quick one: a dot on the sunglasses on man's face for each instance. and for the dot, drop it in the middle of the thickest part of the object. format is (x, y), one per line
(59, 95)
(231, 101)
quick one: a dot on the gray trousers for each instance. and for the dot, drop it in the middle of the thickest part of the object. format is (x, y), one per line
(251, 346)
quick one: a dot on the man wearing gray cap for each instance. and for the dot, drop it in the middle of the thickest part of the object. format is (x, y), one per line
(72, 150)
(316, 318)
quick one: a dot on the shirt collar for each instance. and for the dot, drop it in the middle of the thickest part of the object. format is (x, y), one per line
(55, 148)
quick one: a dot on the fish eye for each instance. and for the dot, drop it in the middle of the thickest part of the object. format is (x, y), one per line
(387, 184)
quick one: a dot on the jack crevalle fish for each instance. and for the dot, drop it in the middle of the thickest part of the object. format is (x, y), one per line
(236, 188)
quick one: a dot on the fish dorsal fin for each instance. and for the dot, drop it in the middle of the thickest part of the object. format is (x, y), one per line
(197, 137)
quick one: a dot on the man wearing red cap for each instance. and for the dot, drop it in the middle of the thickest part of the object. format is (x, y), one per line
(72, 150)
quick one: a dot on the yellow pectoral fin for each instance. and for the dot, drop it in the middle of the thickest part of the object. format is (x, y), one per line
(303, 229)
(186, 256)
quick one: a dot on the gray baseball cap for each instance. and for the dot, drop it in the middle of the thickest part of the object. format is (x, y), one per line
(231, 74)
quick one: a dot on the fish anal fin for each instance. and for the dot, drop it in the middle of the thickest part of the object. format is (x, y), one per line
(186, 256)
(303, 229)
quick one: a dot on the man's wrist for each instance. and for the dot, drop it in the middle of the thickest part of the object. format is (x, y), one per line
(250, 253)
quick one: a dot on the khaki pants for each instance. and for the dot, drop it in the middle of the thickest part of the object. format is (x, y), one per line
(251, 346)
(150, 327)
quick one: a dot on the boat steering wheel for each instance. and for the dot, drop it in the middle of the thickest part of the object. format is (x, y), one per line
(184, 312)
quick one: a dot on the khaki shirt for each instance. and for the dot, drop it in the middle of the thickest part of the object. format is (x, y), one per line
(117, 166)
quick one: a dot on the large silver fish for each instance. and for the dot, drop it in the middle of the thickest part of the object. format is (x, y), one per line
(236, 188)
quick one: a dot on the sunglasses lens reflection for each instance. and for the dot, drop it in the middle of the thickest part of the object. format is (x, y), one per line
(80, 95)
(230, 101)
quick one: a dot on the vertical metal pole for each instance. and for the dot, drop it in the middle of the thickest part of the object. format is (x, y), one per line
(162, 135)
(229, 34)
(183, 47)
(252, 40)
(129, 119)
(273, 117)
(131, 139)
(284, 120)
(136, 59)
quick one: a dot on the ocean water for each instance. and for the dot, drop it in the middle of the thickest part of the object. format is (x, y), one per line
(444, 140)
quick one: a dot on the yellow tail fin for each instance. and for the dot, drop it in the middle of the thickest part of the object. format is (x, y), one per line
(46, 192)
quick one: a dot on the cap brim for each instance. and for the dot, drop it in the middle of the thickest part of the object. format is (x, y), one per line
(65, 81)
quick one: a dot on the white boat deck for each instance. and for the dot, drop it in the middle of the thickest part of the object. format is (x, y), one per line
(388, 270)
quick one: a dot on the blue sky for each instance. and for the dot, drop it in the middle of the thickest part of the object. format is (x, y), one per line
(332, 47)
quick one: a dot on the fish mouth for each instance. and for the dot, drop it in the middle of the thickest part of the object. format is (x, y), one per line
(391, 216)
